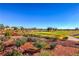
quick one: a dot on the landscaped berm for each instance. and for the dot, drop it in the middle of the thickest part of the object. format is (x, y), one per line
(16, 41)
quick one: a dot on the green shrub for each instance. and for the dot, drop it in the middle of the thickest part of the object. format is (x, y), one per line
(45, 53)
(30, 35)
(50, 38)
(61, 37)
(53, 39)
(23, 39)
(1, 38)
(14, 53)
(47, 37)
(20, 42)
(8, 34)
(1, 46)
(53, 45)
(25, 35)
(40, 44)
(65, 38)
(31, 39)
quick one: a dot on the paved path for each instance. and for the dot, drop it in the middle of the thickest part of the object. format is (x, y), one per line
(73, 38)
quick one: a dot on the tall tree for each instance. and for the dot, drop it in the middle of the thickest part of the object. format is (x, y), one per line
(15, 28)
(22, 28)
(49, 28)
(76, 28)
(6, 26)
(2, 26)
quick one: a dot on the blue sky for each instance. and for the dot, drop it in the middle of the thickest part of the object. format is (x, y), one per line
(40, 15)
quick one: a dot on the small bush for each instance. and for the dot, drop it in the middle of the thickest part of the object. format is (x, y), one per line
(25, 35)
(20, 42)
(46, 37)
(65, 38)
(40, 44)
(53, 39)
(50, 38)
(8, 34)
(1, 46)
(45, 53)
(53, 45)
(61, 37)
(31, 39)
(14, 53)
(1, 38)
